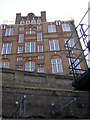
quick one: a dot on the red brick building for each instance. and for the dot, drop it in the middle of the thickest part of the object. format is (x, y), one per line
(33, 44)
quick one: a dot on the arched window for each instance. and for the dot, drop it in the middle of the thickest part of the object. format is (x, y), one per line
(56, 66)
(30, 66)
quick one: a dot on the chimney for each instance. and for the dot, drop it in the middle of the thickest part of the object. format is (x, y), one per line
(18, 18)
(43, 16)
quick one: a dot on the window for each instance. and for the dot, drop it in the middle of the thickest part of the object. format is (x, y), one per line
(66, 27)
(56, 66)
(4, 65)
(75, 65)
(58, 23)
(21, 29)
(19, 58)
(0, 64)
(6, 48)
(40, 48)
(40, 57)
(33, 21)
(54, 45)
(39, 27)
(2, 26)
(39, 36)
(20, 49)
(9, 32)
(30, 31)
(41, 69)
(19, 67)
(70, 43)
(22, 21)
(51, 28)
(20, 38)
(27, 21)
(38, 20)
(30, 47)
(30, 66)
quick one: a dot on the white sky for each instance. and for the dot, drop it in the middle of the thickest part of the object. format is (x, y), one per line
(55, 9)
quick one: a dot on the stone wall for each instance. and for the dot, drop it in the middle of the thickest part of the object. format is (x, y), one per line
(45, 94)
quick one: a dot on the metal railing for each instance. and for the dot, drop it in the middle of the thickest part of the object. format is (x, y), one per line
(83, 42)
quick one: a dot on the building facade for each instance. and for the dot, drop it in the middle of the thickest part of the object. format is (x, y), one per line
(36, 80)
(33, 44)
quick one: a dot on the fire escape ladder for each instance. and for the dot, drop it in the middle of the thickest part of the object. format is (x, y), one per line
(75, 67)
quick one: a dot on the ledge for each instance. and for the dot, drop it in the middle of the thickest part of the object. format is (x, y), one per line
(36, 74)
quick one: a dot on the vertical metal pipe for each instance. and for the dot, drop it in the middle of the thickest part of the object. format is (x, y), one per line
(24, 107)
(21, 107)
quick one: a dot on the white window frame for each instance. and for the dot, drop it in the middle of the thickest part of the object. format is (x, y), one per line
(19, 67)
(40, 48)
(30, 32)
(4, 65)
(29, 47)
(9, 32)
(7, 48)
(39, 36)
(21, 37)
(66, 27)
(21, 28)
(33, 21)
(71, 43)
(54, 45)
(51, 28)
(30, 66)
(27, 21)
(38, 20)
(19, 58)
(41, 69)
(57, 66)
(22, 21)
(74, 64)
(40, 57)
(39, 27)
(3, 26)
(20, 49)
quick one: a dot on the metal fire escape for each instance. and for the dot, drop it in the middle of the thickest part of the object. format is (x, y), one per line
(81, 75)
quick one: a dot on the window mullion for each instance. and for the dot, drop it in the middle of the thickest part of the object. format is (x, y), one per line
(9, 31)
(34, 47)
(54, 44)
(7, 49)
(4, 65)
(57, 65)
(25, 47)
(30, 47)
(29, 66)
(51, 29)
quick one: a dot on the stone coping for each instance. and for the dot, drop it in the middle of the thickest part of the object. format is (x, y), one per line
(3, 70)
